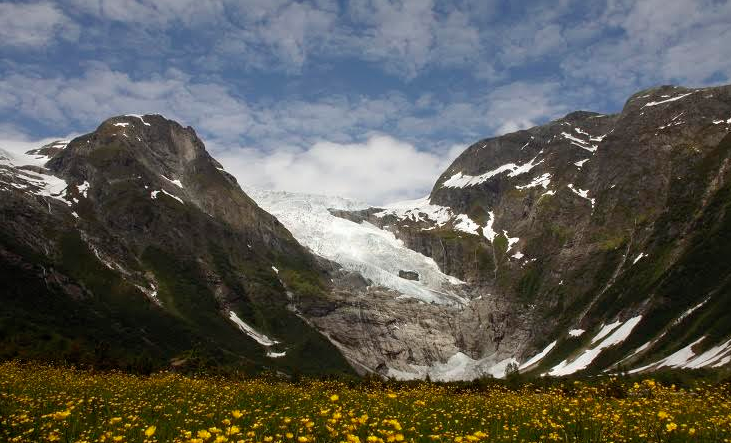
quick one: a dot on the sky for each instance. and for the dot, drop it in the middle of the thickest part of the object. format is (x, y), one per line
(368, 99)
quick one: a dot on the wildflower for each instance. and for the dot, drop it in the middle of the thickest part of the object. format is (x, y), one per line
(204, 434)
(236, 414)
(150, 431)
(61, 415)
(671, 427)
(334, 398)
(233, 430)
(662, 415)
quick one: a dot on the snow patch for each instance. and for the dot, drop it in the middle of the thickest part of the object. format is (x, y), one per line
(419, 210)
(580, 163)
(576, 332)
(465, 224)
(176, 182)
(666, 101)
(251, 332)
(460, 180)
(542, 180)
(619, 335)
(84, 188)
(487, 231)
(639, 257)
(536, 358)
(140, 117)
(606, 329)
(272, 354)
(123, 125)
(582, 193)
(511, 241)
(154, 194)
(579, 142)
(690, 311)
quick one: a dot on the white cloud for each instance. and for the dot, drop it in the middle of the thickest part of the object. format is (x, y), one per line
(33, 25)
(293, 145)
(150, 13)
(660, 42)
(408, 36)
(17, 142)
(379, 170)
(521, 105)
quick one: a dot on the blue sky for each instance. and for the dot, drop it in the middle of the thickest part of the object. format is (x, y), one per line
(368, 99)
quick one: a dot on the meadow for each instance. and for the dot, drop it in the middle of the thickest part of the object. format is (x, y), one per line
(40, 403)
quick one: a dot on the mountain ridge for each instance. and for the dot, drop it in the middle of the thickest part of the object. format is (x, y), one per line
(585, 244)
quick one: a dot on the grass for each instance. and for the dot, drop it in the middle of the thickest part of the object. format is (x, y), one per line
(45, 403)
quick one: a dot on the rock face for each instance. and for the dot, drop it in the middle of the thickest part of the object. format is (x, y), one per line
(409, 275)
(133, 240)
(591, 242)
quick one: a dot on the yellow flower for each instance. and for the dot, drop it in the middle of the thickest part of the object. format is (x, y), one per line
(391, 395)
(205, 435)
(671, 427)
(220, 439)
(61, 415)
(233, 430)
(150, 431)
(302, 439)
(289, 435)
(334, 398)
(236, 413)
(662, 415)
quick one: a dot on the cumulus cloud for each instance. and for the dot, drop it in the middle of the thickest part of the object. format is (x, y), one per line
(407, 36)
(658, 42)
(379, 170)
(32, 25)
(457, 71)
(521, 105)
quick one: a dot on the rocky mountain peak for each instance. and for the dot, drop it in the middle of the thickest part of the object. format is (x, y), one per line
(156, 245)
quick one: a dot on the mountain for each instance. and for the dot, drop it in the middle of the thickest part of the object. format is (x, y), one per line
(592, 243)
(131, 246)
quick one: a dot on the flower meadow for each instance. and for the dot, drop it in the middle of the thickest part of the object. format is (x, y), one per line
(40, 403)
